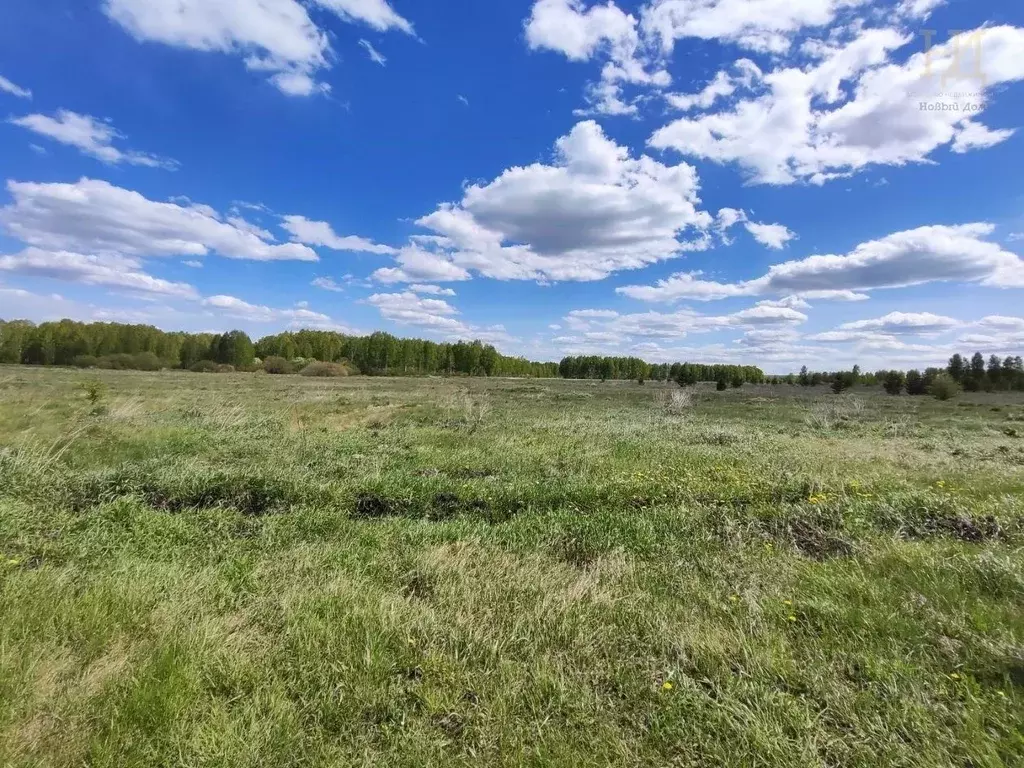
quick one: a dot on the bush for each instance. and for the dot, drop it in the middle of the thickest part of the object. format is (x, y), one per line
(944, 387)
(325, 370)
(737, 382)
(277, 365)
(843, 381)
(224, 368)
(204, 366)
(894, 382)
(85, 361)
(916, 383)
(722, 385)
(146, 361)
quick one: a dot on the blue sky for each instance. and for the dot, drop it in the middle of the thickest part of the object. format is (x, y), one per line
(779, 182)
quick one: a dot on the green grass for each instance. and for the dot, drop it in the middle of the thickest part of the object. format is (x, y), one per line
(252, 570)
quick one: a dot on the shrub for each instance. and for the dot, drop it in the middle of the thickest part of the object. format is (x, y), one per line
(737, 382)
(204, 366)
(944, 387)
(722, 385)
(916, 383)
(224, 368)
(85, 361)
(894, 382)
(146, 361)
(325, 370)
(277, 365)
(843, 381)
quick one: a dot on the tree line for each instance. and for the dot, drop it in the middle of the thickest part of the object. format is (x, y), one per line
(633, 368)
(974, 374)
(144, 347)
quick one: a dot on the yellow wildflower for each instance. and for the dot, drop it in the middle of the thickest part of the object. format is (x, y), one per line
(954, 676)
(666, 686)
(791, 617)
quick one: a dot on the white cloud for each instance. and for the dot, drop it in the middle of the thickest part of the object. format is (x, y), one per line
(417, 264)
(773, 236)
(807, 126)
(8, 87)
(273, 36)
(243, 310)
(722, 86)
(770, 235)
(1002, 323)
(593, 212)
(375, 56)
(377, 14)
(898, 323)
(92, 136)
(463, 99)
(93, 216)
(913, 257)
(320, 233)
(328, 284)
(759, 25)
(431, 290)
(109, 271)
(193, 263)
(435, 315)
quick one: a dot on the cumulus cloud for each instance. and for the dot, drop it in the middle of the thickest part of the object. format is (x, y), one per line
(594, 211)
(8, 87)
(93, 216)
(243, 310)
(854, 107)
(898, 323)
(431, 290)
(416, 264)
(320, 233)
(913, 257)
(273, 36)
(437, 315)
(770, 235)
(108, 271)
(91, 136)
(773, 236)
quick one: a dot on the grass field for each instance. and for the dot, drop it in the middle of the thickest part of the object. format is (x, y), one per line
(253, 570)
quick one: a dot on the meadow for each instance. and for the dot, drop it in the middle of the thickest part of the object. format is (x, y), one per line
(256, 570)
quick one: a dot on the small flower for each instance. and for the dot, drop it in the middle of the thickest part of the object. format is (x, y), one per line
(791, 617)
(666, 686)
(787, 603)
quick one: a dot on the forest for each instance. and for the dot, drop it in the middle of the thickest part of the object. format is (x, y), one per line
(144, 347)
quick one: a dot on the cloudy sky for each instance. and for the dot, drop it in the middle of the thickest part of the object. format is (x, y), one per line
(778, 182)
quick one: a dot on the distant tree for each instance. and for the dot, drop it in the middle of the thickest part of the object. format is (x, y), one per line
(722, 385)
(843, 381)
(894, 382)
(995, 372)
(737, 381)
(805, 377)
(957, 368)
(944, 387)
(233, 348)
(916, 383)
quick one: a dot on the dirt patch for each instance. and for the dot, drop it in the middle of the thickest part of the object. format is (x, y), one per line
(962, 527)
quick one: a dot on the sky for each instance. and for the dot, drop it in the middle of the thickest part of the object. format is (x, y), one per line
(769, 182)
